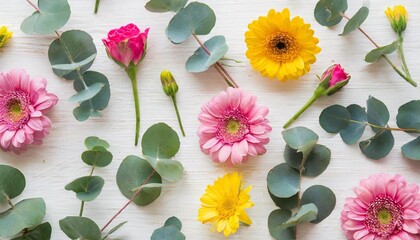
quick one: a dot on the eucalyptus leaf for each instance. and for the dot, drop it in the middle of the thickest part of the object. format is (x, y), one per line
(69, 67)
(160, 141)
(306, 213)
(80, 228)
(161, 6)
(334, 118)
(378, 146)
(87, 93)
(148, 185)
(354, 131)
(275, 222)
(196, 18)
(167, 233)
(411, 149)
(327, 12)
(316, 163)
(323, 198)
(114, 229)
(52, 15)
(12, 183)
(173, 221)
(27, 213)
(408, 116)
(377, 113)
(285, 203)
(135, 172)
(201, 60)
(93, 141)
(301, 139)
(168, 169)
(40, 232)
(86, 188)
(377, 53)
(283, 181)
(98, 157)
(74, 46)
(355, 21)
(99, 102)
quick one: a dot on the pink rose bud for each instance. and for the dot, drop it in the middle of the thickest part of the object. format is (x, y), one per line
(126, 44)
(337, 75)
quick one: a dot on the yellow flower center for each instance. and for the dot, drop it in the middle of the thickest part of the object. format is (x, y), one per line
(384, 216)
(15, 110)
(233, 126)
(281, 47)
(228, 207)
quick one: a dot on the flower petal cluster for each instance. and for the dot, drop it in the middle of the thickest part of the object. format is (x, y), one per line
(398, 18)
(5, 35)
(23, 105)
(385, 207)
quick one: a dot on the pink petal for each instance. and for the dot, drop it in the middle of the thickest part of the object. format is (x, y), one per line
(360, 233)
(35, 123)
(224, 152)
(234, 97)
(236, 156)
(6, 138)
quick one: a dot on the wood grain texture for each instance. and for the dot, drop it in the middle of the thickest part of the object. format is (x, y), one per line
(50, 166)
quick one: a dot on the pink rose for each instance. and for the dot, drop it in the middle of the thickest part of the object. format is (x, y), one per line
(337, 75)
(126, 44)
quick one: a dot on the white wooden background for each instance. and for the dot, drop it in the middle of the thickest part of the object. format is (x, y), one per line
(57, 162)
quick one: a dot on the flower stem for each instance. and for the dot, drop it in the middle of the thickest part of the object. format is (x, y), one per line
(132, 74)
(405, 77)
(129, 201)
(308, 104)
(177, 115)
(404, 63)
(82, 205)
(96, 6)
(219, 67)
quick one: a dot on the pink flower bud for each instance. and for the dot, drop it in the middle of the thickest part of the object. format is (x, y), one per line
(126, 44)
(337, 75)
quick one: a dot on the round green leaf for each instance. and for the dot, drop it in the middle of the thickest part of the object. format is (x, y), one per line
(334, 118)
(98, 157)
(52, 15)
(377, 113)
(40, 232)
(27, 213)
(275, 221)
(285, 203)
(73, 46)
(169, 170)
(87, 93)
(292, 157)
(200, 61)
(167, 233)
(93, 141)
(12, 183)
(355, 21)
(323, 198)
(135, 172)
(408, 116)
(161, 6)
(327, 12)
(283, 181)
(378, 146)
(174, 221)
(377, 53)
(354, 131)
(317, 161)
(306, 213)
(80, 228)
(301, 139)
(160, 141)
(86, 188)
(196, 18)
(411, 149)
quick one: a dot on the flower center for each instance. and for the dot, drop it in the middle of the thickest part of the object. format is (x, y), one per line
(14, 109)
(228, 207)
(384, 217)
(233, 126)
(281, 47)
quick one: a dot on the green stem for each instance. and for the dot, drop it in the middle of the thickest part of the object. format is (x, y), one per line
(308, 104)
(404, 63)
(82, 205)
(178, 116)
(96, 6)
(387, 128)
(132, 72)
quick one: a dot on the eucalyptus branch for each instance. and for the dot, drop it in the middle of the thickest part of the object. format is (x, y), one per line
(387, 127)
(96, 6)
(82, 205)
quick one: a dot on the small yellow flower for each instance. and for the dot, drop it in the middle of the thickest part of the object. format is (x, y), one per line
(398, 18)
(224, 204)
(281, 47)
(5, 35)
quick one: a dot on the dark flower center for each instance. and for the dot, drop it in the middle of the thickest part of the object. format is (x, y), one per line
(384, 217)
(281, 47)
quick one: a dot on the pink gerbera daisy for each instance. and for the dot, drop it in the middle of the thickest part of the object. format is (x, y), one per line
(385, 208)
(233, 127)
(23, 103)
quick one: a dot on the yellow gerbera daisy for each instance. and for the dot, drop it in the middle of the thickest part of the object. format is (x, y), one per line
(224, 204)
(280, 47)
(5, 35)
(398, 17)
